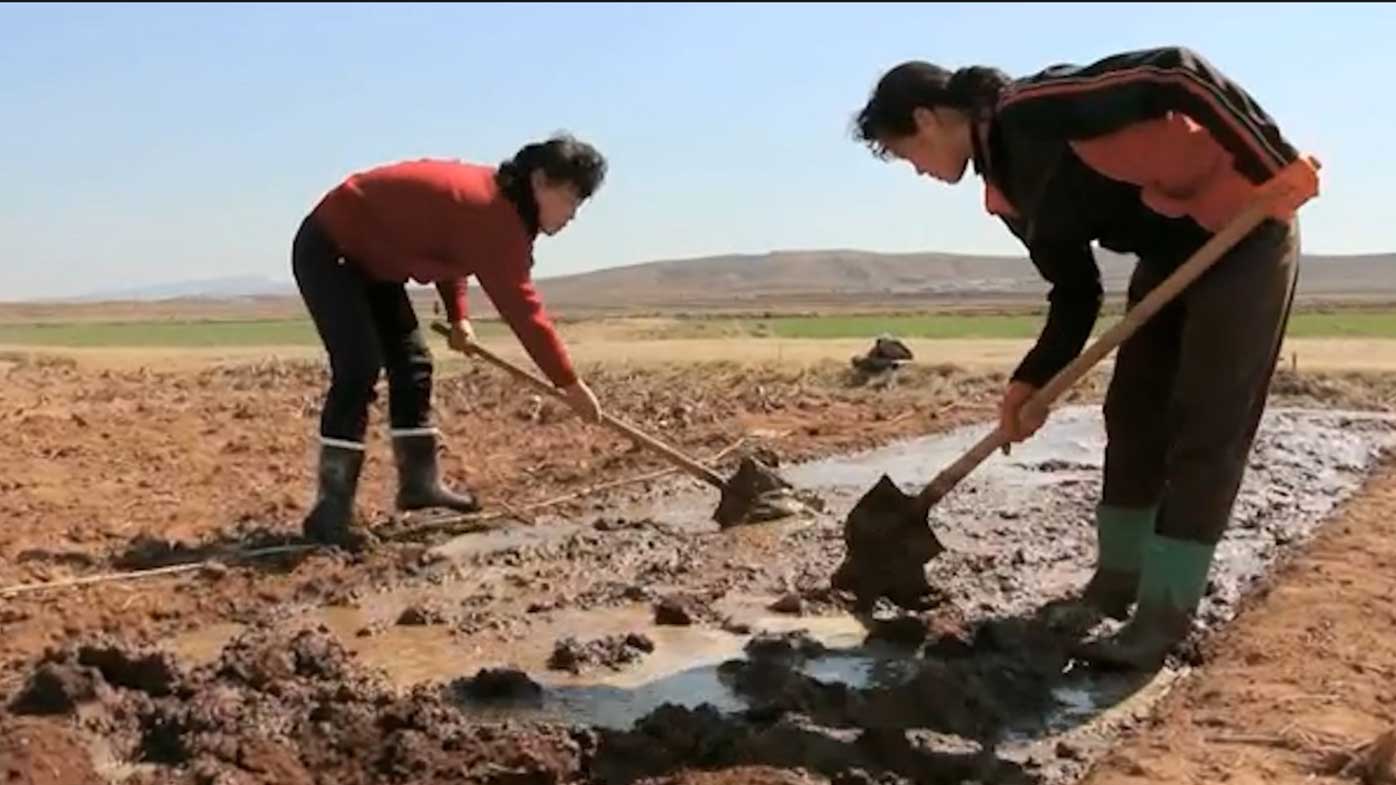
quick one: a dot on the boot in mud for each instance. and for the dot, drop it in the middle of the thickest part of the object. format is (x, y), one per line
(1171, 584)
(1121, 535)
(330, 521)
(419, 479)
(1111, 592)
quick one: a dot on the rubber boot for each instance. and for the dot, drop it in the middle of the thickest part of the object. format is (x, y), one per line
(1171, 585)
(331, 520)
(1121, 534)
(419, 480)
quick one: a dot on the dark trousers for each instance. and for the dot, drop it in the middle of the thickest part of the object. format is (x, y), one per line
(366, 325)
(1190, 386)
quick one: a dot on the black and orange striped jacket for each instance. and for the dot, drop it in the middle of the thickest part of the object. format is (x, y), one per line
(1145, 152)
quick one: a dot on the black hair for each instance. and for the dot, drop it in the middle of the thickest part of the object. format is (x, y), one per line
(562, 159)
(917, 84)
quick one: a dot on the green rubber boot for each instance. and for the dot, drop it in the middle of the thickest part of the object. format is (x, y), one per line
(1121, 534)
(1171, 585)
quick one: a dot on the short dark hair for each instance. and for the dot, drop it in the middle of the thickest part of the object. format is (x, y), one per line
(562, 159)
(918, 84)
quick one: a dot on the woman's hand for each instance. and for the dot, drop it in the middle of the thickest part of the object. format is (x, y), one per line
(1017, 418)
(462, 336)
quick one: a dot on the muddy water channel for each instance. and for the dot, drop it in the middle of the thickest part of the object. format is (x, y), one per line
(642, 620)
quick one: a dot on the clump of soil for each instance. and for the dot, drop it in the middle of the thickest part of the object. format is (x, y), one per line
(792, 604)
(674, 738)
(498, 684)
(423, 615)
(785, 645)
(65, 679)
(56, 688)
(681, 610)
(612, 651)
(297, 709)
(153, 672)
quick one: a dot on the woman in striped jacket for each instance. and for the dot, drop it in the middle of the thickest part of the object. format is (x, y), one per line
(1146, 153)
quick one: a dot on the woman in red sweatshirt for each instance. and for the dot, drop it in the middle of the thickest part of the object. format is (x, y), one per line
(433, 221)
(1147, 153)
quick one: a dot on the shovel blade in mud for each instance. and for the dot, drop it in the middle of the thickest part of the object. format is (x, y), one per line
(888, 543)
(756, 493)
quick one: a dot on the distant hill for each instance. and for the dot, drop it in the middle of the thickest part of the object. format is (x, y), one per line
(793, 279)
(857, 276)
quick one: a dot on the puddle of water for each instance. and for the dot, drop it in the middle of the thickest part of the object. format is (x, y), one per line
(1069, 447)
(414, 655)
(493, 541)
(1072, 440)
(1080, 699)
(611, 706)
(1083, 696)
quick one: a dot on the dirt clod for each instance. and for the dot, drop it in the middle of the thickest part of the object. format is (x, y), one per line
(785, 645)
(151, 672)
(422, 615)
(145, 552)
(613, 652)
(499, 684)
(1068, 751)
(792, 604)
(736, 627)
(899, 630)
(371, 630)
(56, 688)
(679, 611)
(213, 571)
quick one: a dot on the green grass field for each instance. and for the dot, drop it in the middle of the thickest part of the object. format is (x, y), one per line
(905, 326)
(297, 332)
(1340, 324)
(1336, 324)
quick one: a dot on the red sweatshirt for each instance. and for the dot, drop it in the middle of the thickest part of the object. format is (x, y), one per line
(439, 222)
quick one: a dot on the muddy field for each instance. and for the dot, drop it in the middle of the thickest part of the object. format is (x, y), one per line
(577, 641)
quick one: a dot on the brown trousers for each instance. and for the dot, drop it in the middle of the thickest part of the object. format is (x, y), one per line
(1190, 386)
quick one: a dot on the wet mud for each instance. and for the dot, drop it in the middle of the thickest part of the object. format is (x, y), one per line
(976, 685)
(1018, 531)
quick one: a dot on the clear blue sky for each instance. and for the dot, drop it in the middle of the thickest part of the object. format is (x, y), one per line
(157, 143)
